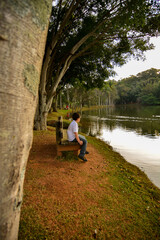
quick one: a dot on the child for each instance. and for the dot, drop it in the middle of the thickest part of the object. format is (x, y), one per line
(73, 136)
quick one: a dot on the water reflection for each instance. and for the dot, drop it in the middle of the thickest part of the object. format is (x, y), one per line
(131, 130)
(143, 120)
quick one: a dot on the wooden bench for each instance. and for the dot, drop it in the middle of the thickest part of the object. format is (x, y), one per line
(62, 144)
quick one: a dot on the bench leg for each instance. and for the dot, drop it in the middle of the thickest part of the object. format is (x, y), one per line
(75, 152)
(59, 154)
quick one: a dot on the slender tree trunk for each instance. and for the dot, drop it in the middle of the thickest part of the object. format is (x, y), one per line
(22, 41)
(99, 100)
(68, 98)
(81, 102)
(60, 100)
(54, 105)
(109, 99)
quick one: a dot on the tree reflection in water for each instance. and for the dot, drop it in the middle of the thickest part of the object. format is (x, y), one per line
(132, 130)
(140, 119)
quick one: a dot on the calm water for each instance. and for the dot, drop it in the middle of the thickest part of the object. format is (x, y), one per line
(133, 131)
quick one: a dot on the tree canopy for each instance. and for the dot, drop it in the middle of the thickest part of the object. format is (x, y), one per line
(95, 34)
(107, 31)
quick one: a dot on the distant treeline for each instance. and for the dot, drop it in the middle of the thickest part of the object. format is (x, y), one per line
(144, 88)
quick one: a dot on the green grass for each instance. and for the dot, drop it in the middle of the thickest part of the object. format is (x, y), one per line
(53, 117)
(134, 197)
(63, 112)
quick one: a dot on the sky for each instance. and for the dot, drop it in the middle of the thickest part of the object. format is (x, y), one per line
(133, 67)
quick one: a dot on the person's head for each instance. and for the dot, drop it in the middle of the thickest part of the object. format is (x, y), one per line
(76, 117)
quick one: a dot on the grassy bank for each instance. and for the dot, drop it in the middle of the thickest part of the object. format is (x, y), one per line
(52, 117)
(105, 198)
(63, 112)
(134, 199)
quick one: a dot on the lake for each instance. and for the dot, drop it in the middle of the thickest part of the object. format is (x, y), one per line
(132, 130)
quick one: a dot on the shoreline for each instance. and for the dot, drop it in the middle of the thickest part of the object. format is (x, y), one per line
(65, 198)
(125, 160)
(139, 166)
(66, 123)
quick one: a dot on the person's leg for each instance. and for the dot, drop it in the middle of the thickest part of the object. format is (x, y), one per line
(81, 136)
(84, 146)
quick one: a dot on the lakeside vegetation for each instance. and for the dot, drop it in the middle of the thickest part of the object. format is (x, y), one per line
(144, 89)
(112, 200)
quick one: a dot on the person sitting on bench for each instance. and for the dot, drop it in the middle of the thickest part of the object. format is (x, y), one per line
(73, 136)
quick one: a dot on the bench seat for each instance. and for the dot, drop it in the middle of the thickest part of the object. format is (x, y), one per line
(63, 145)
(68, 146)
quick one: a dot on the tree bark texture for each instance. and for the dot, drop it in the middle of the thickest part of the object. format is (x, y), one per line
(23, 31)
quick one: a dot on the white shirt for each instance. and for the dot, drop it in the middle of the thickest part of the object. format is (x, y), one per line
(72, 129)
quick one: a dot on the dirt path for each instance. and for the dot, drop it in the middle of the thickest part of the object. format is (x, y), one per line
(62, 175)
(62, 184)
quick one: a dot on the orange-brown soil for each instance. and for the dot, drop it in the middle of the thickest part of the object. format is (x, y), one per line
(104, 198)
(63, 187)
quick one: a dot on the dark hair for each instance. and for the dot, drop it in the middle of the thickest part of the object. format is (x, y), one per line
(75, 116)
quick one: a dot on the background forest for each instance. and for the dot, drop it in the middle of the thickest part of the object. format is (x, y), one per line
(144, 88)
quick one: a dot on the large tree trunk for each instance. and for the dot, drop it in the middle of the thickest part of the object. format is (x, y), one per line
(24, 26)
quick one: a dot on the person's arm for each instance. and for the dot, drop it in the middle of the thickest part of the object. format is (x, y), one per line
(77, 138)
